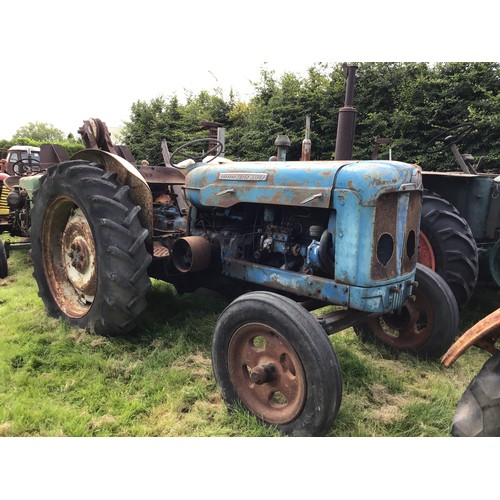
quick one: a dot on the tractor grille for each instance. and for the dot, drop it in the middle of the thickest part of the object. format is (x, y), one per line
(391, 233)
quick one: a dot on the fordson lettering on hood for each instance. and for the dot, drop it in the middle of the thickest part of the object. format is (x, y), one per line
(229, 176)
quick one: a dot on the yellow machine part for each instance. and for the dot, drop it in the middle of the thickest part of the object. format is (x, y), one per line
(4, 208)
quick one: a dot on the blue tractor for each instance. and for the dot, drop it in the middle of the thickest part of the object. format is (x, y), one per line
(284, 238)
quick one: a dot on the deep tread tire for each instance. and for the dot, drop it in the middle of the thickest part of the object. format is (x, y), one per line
(455, 250)
(305, 342)
(426, 327)
(478, 411)
(113, 240)
(3, 261)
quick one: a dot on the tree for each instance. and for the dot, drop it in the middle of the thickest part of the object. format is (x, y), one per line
(406, 102)
(151, 122)
(38, 131)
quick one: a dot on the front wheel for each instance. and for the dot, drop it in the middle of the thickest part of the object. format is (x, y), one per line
(425, 326)
(272, 356)
(89, 256)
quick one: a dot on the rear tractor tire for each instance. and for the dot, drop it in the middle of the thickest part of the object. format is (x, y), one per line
(271, 355)
(88, 249)
(4, 270)
(425, 327)
(478, 411)
(447, 246)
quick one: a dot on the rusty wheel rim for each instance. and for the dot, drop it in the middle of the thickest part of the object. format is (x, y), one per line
(409, 328)
(266, 373)
(69, 257)
(425, 252)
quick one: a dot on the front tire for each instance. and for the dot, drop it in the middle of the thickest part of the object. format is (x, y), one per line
(89, 256)
(272, 356)
(425, 327)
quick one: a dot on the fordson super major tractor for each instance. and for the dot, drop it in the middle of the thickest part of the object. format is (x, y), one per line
(285, 238)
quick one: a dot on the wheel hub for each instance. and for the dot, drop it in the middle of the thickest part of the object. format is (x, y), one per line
(408, 328)
(78, 255)
(263, 373)
(267, 373)
(426, 252)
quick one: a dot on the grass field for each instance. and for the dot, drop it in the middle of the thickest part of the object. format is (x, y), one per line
(59, 381)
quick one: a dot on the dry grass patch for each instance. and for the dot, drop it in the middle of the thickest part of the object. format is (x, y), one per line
(389, 407)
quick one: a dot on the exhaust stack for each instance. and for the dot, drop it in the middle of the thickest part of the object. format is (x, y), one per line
(347, 118)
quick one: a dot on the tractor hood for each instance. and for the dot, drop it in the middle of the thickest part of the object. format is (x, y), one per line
(301, 183)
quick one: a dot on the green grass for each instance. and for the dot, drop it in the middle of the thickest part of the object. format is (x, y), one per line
(59, 381)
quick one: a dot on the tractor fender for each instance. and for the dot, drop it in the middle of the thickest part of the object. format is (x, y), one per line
(127, 175)
(483, 334)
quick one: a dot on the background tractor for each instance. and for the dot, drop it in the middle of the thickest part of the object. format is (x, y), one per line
(461, 219)
(18, 180)
(21, 160)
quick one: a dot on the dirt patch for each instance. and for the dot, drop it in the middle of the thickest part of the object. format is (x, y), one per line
(5, 429)
(102, 421)
(98, 342)
(389, 406)
(197, 363)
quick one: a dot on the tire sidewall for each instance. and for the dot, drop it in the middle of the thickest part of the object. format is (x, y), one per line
(444, 310)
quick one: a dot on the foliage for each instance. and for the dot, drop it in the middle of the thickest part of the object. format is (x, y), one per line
(406, 102)
(71, 146)
(38, 131)
(35, 134)
(163, 118)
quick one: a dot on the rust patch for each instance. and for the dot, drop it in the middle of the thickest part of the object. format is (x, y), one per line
(161, 175)
(410, 253)
(483, 334)
(385, 224)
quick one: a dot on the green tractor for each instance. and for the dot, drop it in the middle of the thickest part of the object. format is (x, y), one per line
(460, 225)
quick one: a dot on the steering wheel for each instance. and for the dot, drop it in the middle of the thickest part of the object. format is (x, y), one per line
(450, 136)
(26, 166)
(218, 149)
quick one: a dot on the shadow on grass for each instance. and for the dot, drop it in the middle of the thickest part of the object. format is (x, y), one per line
(170, 318)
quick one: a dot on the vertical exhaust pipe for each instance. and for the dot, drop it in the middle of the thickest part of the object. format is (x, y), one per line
(347, 118)
(306, 143)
